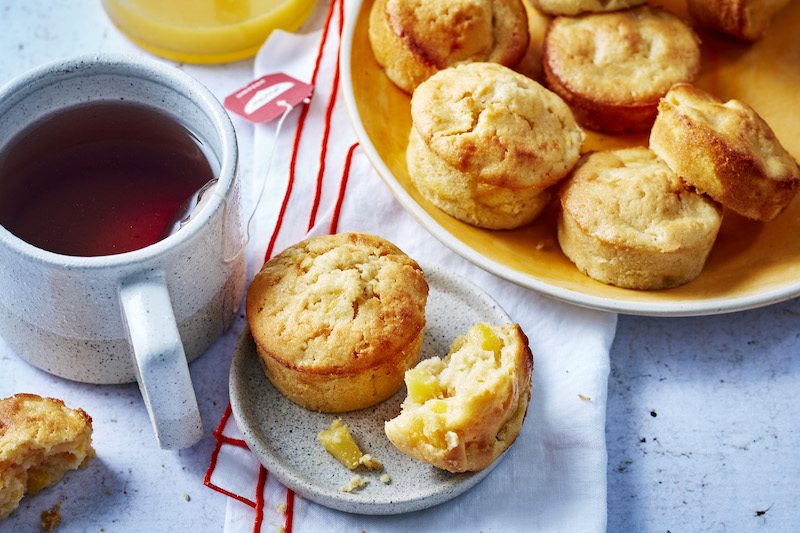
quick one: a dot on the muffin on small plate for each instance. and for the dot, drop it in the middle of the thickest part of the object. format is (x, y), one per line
(337, 320)
(487, 142)
(612, 68)
(413, 39)
(725, 150)
(627, 220)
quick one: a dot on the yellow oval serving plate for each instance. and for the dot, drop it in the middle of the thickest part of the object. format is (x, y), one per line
(751, 265)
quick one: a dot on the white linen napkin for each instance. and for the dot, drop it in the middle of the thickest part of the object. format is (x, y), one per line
(554, 477)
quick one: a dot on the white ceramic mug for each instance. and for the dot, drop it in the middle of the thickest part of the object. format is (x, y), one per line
(140, 315)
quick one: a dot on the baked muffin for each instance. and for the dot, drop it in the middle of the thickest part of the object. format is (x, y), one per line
(747, 20)
(412, 39)
(576, 7)
(612, 68)
(463, 411)
(626, 219)
(337, 320)
(725, 150)
(486, 142)
(40, 440)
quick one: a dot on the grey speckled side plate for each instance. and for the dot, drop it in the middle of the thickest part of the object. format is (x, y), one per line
(283, 435)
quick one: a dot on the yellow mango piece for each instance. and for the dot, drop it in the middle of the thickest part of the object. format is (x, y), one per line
(37, 480)
(339, 442)
(439, 406)
(421, 385)
(485, 337)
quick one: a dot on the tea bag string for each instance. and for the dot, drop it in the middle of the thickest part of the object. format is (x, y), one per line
(270, 157)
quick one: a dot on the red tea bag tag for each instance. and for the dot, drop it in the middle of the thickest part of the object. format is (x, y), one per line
(268, 97)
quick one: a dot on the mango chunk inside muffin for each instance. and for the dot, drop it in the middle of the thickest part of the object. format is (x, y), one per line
(463, 411)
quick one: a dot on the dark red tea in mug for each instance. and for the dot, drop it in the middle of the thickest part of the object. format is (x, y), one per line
(99, 179)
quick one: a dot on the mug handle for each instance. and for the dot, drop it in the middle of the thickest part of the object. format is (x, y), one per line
(161, 367)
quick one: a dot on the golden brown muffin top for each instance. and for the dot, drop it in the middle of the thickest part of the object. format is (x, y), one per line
(627, 57)
(29, 419)
(499, 126)
(575, 7)
(738, 129)
(443, 32)
(337, 304)
(629, 197)
(726, 150)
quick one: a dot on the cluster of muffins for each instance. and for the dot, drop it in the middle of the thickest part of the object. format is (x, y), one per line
(338, 322)
(647, 218)
(747, 20)
(492, 147)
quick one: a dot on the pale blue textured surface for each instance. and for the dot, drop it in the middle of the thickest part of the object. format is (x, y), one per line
(701, 425)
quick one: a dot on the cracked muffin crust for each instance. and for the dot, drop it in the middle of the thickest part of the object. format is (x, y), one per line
(40, 440)
(413, 39)
(612, 68)
(338, 319)
(725, 150)
(626, 219)
(486, 142)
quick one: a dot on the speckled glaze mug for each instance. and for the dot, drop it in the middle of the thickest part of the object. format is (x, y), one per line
(139, 315)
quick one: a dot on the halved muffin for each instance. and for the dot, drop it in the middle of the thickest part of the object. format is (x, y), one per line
(463, 411)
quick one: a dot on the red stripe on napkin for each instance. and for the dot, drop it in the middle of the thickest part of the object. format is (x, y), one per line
(289, 511)
(328, 113)
(262, 480)
(300, 126)
(342, 187)
(222, 439)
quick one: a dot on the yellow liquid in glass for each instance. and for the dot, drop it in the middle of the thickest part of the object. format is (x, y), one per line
(205, 31)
